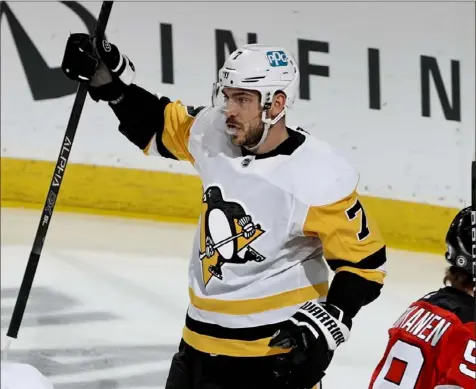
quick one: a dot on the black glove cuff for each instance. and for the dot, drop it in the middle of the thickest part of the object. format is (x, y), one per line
(109, 92)
(141, 115)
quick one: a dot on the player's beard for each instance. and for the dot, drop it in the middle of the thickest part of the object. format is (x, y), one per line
(248, 136)
(253, 136)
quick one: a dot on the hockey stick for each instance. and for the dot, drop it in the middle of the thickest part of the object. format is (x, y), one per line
(53, 191)
(473, 217)
(225, 241)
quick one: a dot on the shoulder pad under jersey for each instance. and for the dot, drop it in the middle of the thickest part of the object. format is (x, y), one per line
(453, 300)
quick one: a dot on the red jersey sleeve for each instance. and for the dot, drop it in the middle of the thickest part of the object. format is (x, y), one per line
(458, 357)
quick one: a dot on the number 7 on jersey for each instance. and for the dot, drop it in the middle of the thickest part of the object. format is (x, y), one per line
(352, 213)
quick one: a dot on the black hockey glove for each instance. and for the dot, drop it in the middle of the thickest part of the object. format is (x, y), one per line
(100, 64)
(313, 333)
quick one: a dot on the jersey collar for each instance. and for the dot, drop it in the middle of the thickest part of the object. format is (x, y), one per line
(290, 145)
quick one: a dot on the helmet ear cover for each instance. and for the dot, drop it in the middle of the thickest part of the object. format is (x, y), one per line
(458, 241)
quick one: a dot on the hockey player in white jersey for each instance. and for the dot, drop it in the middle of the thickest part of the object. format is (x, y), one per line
(277, 205)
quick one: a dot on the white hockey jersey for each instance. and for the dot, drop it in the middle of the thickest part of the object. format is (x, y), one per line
(267, 222)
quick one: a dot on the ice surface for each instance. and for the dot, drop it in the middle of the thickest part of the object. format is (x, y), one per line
(109, 299)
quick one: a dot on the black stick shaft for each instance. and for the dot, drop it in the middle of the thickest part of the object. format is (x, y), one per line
(473, 217)
(54, 189)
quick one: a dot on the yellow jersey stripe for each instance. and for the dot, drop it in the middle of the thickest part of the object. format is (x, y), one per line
(368, 274)
(230, 347)
(176, 132)
(259, 305)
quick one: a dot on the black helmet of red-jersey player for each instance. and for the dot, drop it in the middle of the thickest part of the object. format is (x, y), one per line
(459, 242)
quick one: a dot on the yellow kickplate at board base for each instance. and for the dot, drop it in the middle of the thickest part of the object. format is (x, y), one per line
(177, 197)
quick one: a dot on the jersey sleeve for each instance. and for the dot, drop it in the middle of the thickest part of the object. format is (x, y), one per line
(350, 237)
(352, 245)
(459, 354)
(173, 139)
(155, 124)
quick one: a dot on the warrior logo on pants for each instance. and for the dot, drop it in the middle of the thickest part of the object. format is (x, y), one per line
(225, 235)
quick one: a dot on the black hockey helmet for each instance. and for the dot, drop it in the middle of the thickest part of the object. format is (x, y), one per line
(459, 242)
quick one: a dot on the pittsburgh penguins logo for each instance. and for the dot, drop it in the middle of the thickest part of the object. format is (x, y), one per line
(226, 234)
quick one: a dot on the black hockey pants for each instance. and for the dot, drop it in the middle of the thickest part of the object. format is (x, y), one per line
(192, 369)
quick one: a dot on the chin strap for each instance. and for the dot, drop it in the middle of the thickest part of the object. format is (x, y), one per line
(268, 123)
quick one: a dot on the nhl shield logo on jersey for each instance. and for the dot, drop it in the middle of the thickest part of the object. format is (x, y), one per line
(225, 235)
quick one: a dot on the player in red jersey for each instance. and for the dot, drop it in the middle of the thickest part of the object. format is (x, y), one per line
(432, 344)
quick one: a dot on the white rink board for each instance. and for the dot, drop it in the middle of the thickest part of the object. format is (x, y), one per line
(400, 153)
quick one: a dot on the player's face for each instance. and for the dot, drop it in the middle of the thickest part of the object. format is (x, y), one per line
(243, 116)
